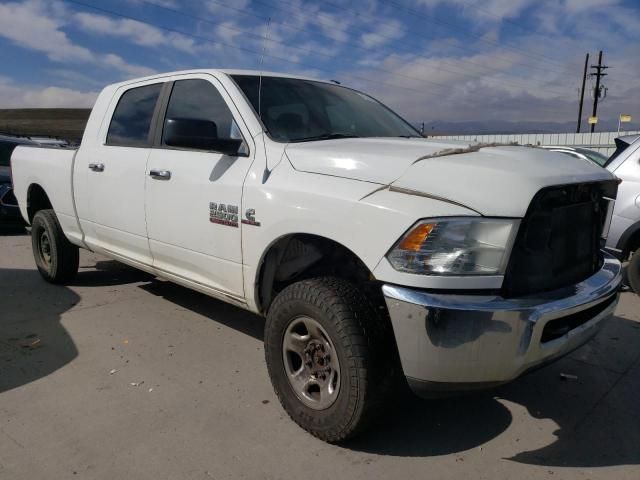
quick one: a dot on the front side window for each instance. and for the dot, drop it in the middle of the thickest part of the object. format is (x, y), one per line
(200, 102)
(296, 110)
(131, 121)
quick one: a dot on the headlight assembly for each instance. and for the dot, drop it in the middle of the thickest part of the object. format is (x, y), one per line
(455, 246)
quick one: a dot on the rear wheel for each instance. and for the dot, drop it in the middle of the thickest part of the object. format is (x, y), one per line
(328, 357)
(633, 271)
(57, 259)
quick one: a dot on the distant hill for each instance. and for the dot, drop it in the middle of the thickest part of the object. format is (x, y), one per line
(504, 127)
(67, 123)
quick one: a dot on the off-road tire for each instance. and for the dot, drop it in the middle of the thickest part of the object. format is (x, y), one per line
(61, 263)
(365, 349)
(633, 272)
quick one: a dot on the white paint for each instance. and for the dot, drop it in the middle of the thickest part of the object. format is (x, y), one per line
(335, 189)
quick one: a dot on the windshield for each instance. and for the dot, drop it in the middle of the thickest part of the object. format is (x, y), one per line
(294, 110)
(595, 157)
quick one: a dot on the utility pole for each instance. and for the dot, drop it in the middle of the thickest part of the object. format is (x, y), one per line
(596, 94)
(584, 79)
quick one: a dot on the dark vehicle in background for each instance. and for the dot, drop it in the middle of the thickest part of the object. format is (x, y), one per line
(9, 211)
(578, 152)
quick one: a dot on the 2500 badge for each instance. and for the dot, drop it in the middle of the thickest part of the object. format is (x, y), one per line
(223, 214)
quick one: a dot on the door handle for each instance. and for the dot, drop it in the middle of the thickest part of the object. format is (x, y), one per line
(96, 167)
(160, 174)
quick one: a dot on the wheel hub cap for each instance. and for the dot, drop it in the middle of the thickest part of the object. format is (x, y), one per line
(311, 363)
(45, 248)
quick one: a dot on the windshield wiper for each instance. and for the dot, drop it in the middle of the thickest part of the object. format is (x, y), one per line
(325, 136)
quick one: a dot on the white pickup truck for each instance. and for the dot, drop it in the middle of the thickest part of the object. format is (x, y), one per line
(375, 254)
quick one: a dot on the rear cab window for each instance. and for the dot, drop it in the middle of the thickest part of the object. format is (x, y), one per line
(131, 121)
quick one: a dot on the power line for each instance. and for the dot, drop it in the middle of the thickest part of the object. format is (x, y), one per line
(430, 19)
(256, 52)
(474, 75)
(351, 44)
(501, 18)
(262, 54)
(382, 35)
(332, 56)
(482, 38)
(227, 45)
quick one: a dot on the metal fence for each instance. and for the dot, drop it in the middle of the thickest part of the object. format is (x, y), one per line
(602, 142)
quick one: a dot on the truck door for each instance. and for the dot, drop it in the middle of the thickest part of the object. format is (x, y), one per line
(116, 176)
(193, 194)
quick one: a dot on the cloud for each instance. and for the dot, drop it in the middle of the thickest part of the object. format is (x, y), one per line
(217, 6)
(28, 25)
(134, 31)
(498, 9)
(578, 5)
(119, 63)
(383, 33)
(37, 26)
(162, 3)
(25, 96)
(333, 26)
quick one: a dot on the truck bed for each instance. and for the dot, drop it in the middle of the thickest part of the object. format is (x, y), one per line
(51, 170)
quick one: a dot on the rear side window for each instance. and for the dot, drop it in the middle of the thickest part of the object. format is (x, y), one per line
(131, 121)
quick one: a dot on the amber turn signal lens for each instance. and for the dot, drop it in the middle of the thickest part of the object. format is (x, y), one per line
(416, 238)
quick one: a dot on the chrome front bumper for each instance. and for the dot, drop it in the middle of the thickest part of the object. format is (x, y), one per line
(460, 342)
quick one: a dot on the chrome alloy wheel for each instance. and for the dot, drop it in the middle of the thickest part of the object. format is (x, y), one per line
(311, 363)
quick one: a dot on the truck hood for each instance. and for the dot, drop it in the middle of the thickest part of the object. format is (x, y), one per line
(492, 180)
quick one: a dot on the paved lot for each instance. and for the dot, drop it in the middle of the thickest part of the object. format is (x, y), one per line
(203, 406)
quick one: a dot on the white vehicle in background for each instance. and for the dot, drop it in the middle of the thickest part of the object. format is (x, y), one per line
(374, 253)
(579, 152)
(624, 235)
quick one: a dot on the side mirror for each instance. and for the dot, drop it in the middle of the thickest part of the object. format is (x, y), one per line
(199, 135)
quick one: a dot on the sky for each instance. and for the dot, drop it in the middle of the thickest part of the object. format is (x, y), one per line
(456, 65)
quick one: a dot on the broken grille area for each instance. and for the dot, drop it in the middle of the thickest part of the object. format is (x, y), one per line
(559, 240)
(561, 326)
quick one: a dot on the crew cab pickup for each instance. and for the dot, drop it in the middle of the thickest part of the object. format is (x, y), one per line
(375, 254)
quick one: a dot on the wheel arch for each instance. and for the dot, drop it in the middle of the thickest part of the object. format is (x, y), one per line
(37, 199)
(297, 256)
(629, 240)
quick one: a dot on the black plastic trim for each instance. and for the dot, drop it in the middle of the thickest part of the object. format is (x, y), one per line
(625, 238)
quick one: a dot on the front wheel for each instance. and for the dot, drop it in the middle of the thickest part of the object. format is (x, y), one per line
(633, 271)
(57, 259)
(328, 357)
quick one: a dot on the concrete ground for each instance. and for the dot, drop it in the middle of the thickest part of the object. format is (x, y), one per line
(124, 376)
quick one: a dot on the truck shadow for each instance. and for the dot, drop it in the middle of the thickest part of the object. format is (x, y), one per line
(596, 425)
(597, 414)
(12, 230)
(217, 311)
(33, 343)
(107, 273)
